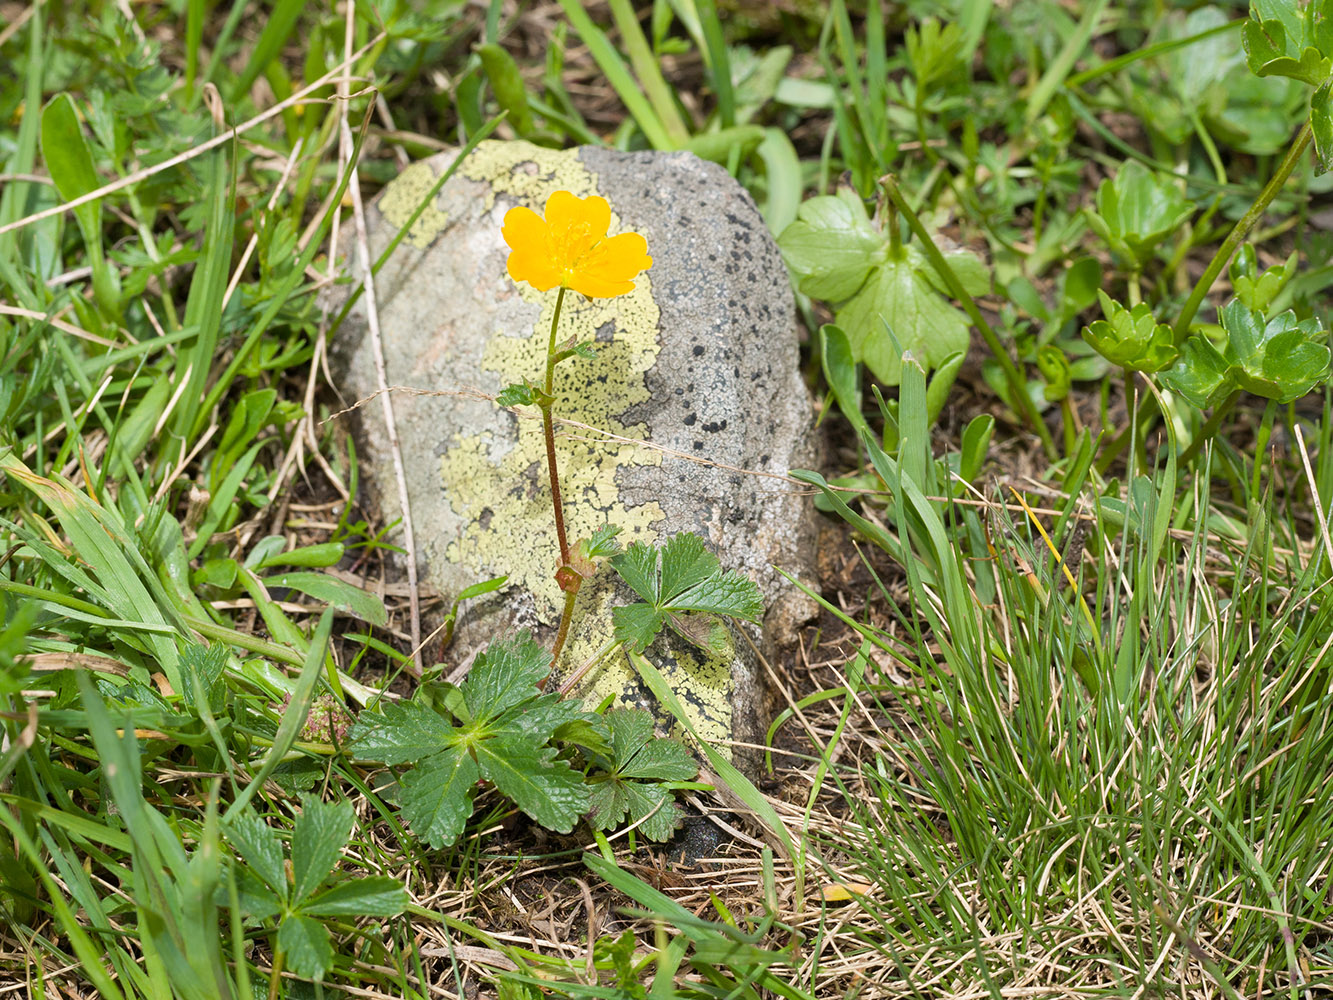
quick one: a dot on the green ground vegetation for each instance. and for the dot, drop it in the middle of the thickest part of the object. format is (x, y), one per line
(1066, 726)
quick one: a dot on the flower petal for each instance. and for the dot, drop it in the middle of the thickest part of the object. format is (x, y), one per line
(565, 211)
(534, 267)
(596, 287)
(619, 258)
(524, 229)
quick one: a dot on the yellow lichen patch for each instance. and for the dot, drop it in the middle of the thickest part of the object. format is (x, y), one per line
(401, 199)
(530, 173)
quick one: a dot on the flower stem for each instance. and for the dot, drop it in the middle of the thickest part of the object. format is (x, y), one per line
(566, 616)
(548, 426)
(1240, 231)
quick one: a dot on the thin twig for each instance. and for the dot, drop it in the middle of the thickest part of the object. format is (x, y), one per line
(377, 351)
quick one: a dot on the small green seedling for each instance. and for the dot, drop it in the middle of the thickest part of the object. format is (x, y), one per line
(1131, 338)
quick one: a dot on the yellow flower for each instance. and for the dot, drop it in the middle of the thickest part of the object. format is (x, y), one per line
(570, 247)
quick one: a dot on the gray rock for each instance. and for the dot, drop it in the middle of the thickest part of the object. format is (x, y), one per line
(696, 380)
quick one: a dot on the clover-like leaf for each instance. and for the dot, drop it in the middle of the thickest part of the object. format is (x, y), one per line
(1137, 210)
(544, 787)
(831, 246)
(683, 578)
(1131, 338)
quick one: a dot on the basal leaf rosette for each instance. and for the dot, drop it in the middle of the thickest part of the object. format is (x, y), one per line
(1281, 359)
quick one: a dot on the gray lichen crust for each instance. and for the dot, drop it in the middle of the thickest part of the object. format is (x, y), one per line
(695, 385)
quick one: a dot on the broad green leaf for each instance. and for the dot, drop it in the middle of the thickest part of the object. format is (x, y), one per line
(377, 896)
(334, 592)
(257, 900)
(1201, 374)
(318, 837)
(637, 753)
(539, 717)
(305, 943)
(406, 733)
(65, 151)
(437, 796)
(900, 294)
(547, 789)
(505, 673)
(259, 847)
(607, 804)
(507, 84)
(1280, 359)
(832, 246)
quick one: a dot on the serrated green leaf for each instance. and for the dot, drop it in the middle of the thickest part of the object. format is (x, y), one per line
(257, 900)
(405, 733)
(831, 247)
(686, 563)
(538, 718)
(260, 848)
(545, 788)
(505, 673)
(655, 806)
(637, 625)
(305, 943)
(318, 837)
(900, 294)
(691, 580)
(637, 566)
(1280, 359)
(729, 593)
(607, 804)
(437, 796)
(661, 760)
(516, 394)
(377, 896)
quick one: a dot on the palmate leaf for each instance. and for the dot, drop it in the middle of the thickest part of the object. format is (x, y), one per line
(505, 738)
(628, 782)
(305, 943)
(683, 578)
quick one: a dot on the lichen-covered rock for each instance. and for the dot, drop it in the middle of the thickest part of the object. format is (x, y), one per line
(695, 381)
